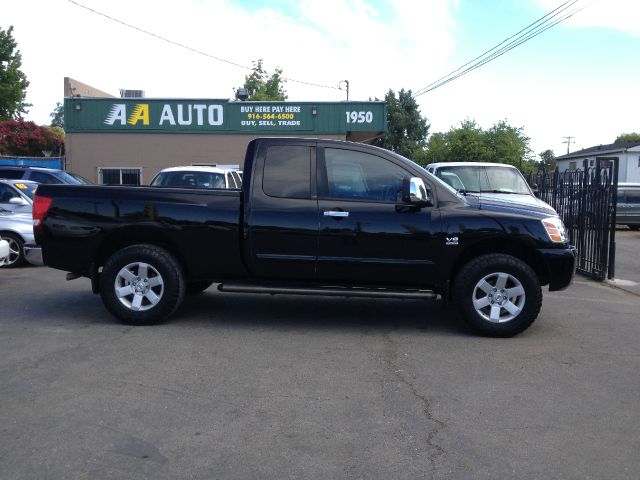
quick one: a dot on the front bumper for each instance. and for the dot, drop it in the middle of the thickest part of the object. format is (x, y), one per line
(560, 266)
(33, 254)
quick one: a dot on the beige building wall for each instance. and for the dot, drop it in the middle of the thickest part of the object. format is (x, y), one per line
(88, 152)
(74, 88)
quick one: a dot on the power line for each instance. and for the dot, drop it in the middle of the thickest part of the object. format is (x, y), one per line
(493, 48)
(187, 47)
(524, 35)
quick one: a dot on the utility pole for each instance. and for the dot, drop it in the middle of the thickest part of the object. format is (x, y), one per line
(346, 82)
(568, 141)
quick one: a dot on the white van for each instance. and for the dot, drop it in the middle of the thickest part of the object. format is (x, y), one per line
(197, 177)
(499, 182)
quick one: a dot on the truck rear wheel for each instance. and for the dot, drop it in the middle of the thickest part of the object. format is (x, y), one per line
(142, 284)
(498, 295)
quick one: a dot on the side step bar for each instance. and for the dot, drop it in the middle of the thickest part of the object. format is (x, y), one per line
(329, 291)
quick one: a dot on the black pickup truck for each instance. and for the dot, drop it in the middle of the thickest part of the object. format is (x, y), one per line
(314, 217)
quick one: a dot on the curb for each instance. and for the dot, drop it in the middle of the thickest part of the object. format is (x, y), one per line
(625, 288)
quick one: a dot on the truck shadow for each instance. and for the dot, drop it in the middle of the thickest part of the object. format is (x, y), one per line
(321, 313)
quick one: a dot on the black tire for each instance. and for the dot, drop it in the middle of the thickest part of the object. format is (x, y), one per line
(159, 296)
(475, 285)
(196, 287)
(634, 227)
(16, 250)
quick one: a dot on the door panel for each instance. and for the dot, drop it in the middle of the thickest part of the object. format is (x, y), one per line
(283, 217)
(367, 235)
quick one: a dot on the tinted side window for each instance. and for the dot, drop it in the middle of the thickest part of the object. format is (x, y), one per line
(41, 177)
(11, 174)
(362, 176)
(237, 179)
(287, 172)
(7, 193)
(231, 181)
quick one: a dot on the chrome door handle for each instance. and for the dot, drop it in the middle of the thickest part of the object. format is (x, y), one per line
(332, 213)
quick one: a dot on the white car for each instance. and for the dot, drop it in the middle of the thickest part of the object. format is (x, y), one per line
(498, 182)
(17, 230)
(4, 252)
(197, 177)
(17, 195)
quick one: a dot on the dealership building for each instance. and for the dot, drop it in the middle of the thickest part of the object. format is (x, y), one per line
(129, 140)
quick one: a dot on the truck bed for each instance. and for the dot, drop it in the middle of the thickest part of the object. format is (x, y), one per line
(86, 224)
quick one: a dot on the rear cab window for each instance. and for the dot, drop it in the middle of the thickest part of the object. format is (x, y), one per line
(287, 171)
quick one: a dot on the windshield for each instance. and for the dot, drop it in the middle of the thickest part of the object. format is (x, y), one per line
(28, 189)
(484, 179)
(189, 180)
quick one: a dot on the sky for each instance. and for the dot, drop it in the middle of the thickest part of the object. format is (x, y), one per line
(580, 78)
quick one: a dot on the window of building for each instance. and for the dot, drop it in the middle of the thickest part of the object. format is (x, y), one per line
(120, 176)
(572, 166)
(287, 172)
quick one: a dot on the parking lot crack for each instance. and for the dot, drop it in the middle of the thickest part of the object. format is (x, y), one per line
(436, 451)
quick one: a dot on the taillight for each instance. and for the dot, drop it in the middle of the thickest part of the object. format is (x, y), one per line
(40, 208)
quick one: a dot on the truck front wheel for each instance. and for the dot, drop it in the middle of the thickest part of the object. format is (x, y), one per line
(498, 295)
(142, 284)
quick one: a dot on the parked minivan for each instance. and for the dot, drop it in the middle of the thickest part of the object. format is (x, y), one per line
(628, 209)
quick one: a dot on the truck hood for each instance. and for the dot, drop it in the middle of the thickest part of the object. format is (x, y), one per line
(514, 202)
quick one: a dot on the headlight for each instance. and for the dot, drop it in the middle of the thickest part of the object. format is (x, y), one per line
(555, 229)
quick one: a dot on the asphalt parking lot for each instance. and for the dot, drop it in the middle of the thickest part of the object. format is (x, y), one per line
(244, 386)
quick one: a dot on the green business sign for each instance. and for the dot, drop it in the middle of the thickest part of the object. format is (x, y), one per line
(221, 116)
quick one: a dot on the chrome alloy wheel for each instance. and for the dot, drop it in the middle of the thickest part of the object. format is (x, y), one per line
(498, 297)
(139, 286)
(14, 251)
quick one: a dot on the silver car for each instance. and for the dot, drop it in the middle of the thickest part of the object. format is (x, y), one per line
(17, 230)
(17, 195)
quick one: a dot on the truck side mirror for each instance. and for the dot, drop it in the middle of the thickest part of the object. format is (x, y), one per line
(415, 192)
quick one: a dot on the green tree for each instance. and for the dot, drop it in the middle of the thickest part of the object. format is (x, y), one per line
(406, 129)
(438, 148)
(13, 82)
(508, 144)
(628, 137)
(468, 143)
(57, 116)
(263, 86)
(547, 160)
(501, 143)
